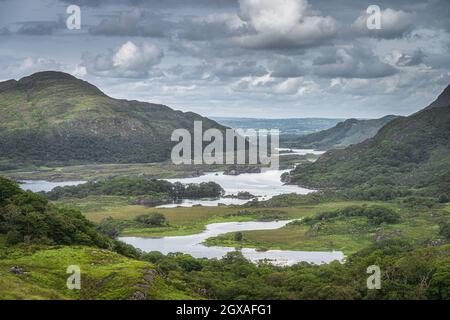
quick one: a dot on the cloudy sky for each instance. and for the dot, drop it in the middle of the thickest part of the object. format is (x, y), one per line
(241, 58)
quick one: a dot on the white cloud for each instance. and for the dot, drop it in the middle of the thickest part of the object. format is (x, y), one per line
(406, 60)
(283, 23)
(351, 62)
(31, 65)
(298, 86)
(394, 24)
(128, 61)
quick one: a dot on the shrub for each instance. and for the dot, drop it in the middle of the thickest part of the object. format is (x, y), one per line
(154, 219)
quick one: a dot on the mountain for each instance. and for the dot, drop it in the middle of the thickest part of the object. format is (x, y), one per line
(411, 151)
(294, 126)
(52, 116)
(350, 131)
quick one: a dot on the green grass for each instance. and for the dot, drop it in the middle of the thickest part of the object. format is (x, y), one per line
(99, 171)
(348, 235)
(190, 220)
(104, 275)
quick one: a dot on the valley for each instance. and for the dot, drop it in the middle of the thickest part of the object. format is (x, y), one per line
(155, 230)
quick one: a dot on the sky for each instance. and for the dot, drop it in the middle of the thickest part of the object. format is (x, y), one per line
(240, 58)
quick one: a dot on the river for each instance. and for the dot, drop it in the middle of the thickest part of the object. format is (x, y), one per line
(193, 245)
(264, 185)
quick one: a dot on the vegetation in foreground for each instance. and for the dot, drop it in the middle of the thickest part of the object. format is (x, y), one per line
(39, 272)
(35, 271)
(407, 273)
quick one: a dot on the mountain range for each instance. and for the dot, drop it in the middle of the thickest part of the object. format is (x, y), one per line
(54, 117)
(290, 126)
(343, 134)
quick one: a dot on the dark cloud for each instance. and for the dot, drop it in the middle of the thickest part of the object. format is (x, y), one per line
(351, 62)
(136, 22)
(40, 28)
(156, 3)
(5, 31)
(211, 27)
(238, 69)
(286, 67)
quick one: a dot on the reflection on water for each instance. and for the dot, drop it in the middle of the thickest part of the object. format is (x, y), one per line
(301, 152)
(264, 185)
(192, 245)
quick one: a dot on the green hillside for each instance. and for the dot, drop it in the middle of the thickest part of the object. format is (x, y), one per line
(53, 116)
(38, 241)
(348, 132)
(410, 151)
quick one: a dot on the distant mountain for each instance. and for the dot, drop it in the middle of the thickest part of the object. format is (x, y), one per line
(294, 126)
(351, 131)
(409, 151)
(53, 116)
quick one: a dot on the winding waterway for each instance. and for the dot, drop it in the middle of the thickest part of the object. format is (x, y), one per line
(193, 245)
(263, 185)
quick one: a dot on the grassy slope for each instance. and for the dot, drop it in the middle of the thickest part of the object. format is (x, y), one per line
(52, 116)
(104, 275)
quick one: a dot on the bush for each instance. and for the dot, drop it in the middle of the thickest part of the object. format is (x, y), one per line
(376, 214)
(109, 227)
(444, 230)
(13, 237)
(443, 198)
(154, 219)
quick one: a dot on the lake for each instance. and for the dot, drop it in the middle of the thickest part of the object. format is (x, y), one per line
(46, 186)
(192, 244)
(264, 185)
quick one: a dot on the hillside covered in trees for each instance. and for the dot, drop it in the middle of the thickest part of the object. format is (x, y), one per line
(409, 152)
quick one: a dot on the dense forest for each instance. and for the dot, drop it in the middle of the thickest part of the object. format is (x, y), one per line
(150, 191)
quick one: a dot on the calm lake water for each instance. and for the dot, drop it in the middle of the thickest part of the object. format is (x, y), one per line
(299, 151)
(192, 245)
(42, 185)
(264, 185)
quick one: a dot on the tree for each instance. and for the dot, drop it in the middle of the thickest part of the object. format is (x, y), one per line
(154, 219)
(238, 236)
